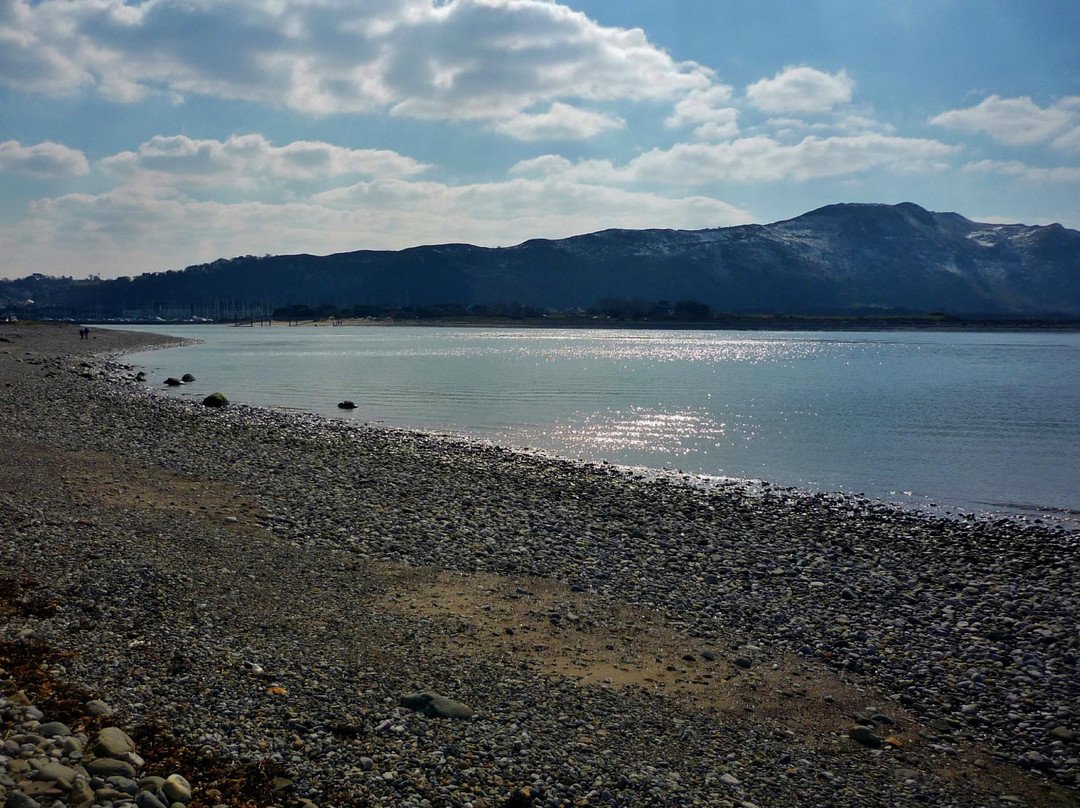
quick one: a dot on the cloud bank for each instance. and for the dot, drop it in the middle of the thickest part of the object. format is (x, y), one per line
(465, 59)
(1018, 121)
(801, 89)
(180, 159)
(45, 160)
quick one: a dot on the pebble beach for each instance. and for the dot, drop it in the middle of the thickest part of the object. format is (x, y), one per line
(234, 606)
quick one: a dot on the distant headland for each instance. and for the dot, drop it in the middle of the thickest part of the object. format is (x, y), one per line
(889, 265)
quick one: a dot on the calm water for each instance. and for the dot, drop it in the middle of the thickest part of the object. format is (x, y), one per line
(975, 421)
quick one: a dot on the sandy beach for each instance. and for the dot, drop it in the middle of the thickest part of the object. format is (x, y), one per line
(255, 595)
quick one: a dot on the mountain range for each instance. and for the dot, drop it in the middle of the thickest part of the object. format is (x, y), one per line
(839, 259)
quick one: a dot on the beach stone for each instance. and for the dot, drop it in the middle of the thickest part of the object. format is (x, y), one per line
(176, 789)
(187, 377)
(1058, 734)
(742, 662)
(18, 766)
(215, 400)
(865, 736)
(57, 771)
(97, 707)
(18, 799)
(124, 784)
(147, 799)
(80, 793)
(109, 767)
(40, 788)
(112, 742)
(53, 729)
(435, 705)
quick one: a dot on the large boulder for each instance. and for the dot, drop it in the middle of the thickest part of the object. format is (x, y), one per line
(112, 742)
(432, 704)
(215, 400)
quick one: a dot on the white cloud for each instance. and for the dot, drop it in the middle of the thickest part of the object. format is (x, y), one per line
(754, 159)
(30, 58)
(46, 159)
(845, 124)
(1013, 121)
(1070, 141)
(525, 208)
(724, 127)
(134, 229)
(709, 109)
(181, 159)
(700, 106)
(463, 59)
(1015, 168)
(561, 122)
(801, 89)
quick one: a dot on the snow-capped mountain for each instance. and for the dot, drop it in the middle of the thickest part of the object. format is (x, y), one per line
(840, 259)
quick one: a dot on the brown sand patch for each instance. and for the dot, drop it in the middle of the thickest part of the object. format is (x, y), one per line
(38, 474)
(546, 627)
(509, 621)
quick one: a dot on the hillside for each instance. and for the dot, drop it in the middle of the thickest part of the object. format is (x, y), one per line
(846, 258)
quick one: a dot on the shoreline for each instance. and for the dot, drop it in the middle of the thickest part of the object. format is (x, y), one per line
(750, 323)
(1053, 513)
(355, 563)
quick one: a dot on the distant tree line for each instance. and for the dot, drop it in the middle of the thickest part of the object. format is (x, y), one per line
(609, 308)
(438, 311)
(680, 310)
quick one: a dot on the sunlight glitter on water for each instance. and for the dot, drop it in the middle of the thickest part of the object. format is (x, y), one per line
(638, 348)
(646, 429)
(938, 415)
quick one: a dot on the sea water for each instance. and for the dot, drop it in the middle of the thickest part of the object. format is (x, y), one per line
(954, 420)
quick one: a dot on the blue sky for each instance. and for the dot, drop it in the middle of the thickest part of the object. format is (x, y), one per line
(145, 136)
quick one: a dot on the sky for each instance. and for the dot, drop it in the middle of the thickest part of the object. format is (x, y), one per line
(149, 136)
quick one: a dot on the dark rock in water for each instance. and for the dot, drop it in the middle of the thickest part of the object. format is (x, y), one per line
(187, 377)
(432, 704)
(346, 405)
(172, 382)
(215, 400)
(865, 736)
(140, 376)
